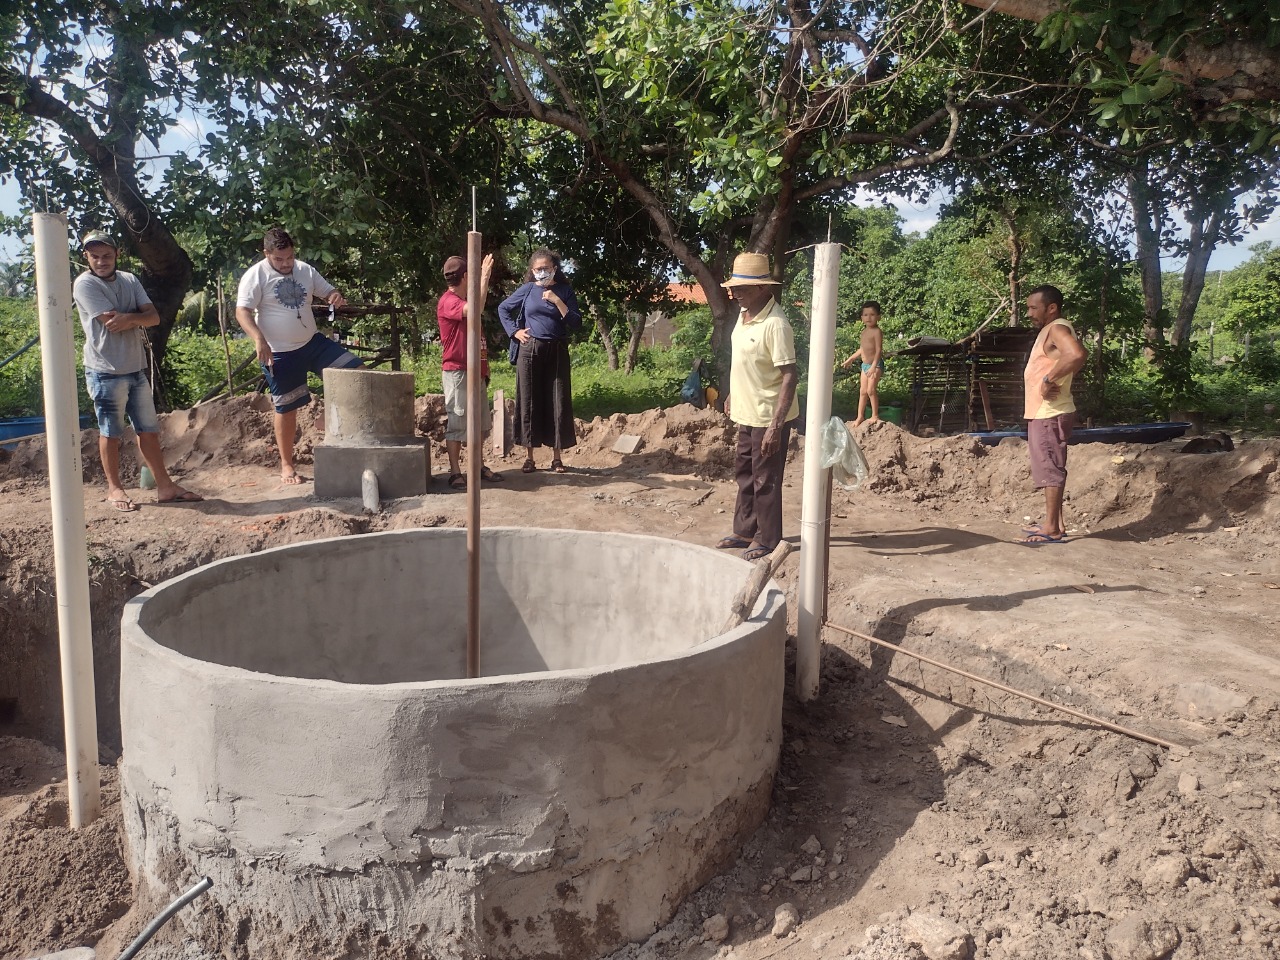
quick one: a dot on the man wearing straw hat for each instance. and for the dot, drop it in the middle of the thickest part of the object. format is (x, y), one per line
(762, 402)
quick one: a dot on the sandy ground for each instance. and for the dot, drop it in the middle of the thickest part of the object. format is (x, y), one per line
(916, 814)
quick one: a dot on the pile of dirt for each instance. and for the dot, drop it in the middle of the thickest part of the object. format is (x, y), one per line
(58, 886)
(915, 815)
(230, 431)
(1148, 489)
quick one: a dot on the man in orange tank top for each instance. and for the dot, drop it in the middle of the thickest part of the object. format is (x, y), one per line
(1051, 413)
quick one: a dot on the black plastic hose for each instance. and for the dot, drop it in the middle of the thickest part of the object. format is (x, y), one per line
(154, 926)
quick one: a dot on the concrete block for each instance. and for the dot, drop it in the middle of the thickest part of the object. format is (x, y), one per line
(403, 470)
(627, 443)
(365, 407)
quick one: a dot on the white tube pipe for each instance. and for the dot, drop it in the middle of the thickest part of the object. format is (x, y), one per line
(369, 491)
(66, 490)
(814, 516)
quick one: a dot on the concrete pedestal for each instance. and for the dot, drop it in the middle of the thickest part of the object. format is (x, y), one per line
(369, 426)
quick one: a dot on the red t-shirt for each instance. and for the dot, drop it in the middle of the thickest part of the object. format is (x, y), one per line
(451, 314)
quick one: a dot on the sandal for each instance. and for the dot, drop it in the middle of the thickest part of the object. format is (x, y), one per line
(733, 542)
(558, 467)
(529, 466)
(458, 481)
(756, 553)
(488, 476)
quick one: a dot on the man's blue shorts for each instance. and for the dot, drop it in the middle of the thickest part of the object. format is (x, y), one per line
(115, 394)
(287, 375)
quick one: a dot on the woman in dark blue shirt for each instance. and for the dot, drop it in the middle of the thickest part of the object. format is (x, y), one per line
(541, 316)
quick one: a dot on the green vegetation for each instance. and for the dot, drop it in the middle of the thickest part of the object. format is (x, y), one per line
(944, 283)
(21, 383)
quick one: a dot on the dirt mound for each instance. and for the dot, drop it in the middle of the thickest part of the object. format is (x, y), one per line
(74, 880)
(679, 439)
(235, 431)
(1147, 489)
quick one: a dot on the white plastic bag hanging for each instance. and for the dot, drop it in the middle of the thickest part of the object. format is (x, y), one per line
(841, 454)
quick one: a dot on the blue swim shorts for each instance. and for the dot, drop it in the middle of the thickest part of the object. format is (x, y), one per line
(866, 367)
(117, 394)
(287, 375)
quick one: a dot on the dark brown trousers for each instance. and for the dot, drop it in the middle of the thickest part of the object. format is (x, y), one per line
(757, 515)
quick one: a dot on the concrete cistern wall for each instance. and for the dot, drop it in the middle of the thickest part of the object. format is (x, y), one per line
(295, 726)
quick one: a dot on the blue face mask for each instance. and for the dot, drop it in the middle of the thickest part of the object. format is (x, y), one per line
(542, 275)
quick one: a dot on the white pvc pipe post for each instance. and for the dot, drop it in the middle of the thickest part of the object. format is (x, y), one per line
(814, 514)
(66, 489)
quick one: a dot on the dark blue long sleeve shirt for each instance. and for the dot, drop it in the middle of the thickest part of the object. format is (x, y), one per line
(541, 317)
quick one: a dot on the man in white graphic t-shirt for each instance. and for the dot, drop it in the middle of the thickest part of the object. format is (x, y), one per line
(273, 307)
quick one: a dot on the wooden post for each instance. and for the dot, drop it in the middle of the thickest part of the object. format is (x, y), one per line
(395, 339)
(500, 422)
(986, 404)
(226, 348)
(475, 449)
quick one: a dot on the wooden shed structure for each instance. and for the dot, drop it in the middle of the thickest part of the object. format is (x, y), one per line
(972, 384)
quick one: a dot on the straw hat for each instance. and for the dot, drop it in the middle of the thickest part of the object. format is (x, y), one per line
(751, 270)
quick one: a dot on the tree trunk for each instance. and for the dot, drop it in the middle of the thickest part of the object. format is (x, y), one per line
(166, 268)
(636, 321)
(606, 337)
(1015, 266)
(1246, 71)
(1147, 240)
(1202, 240)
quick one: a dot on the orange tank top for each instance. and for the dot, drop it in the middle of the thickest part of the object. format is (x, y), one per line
(1039, 364)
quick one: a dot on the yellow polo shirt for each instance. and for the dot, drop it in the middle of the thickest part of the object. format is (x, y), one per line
(760, 347)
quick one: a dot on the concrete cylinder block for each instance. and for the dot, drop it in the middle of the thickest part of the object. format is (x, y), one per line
(369, 425)
(296, 726)
(368, 407)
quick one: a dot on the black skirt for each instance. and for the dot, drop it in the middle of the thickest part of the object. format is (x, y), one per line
(544, 395)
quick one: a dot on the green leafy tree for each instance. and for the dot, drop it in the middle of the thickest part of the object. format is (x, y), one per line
(739, 126)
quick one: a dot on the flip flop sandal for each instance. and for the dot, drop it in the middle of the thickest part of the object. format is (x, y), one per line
(756, 553)
(529, 466)
(733, 542)
(124, 506)
(458, 481)
(186, 496)
(1039, 539)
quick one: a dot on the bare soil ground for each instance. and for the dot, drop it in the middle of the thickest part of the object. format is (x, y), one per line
(916, 814)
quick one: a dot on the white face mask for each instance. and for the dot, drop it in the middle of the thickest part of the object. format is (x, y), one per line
(541, 275)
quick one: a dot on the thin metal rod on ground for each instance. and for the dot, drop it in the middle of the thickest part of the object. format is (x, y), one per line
(1079, 714)
(745, 600)
(130, 951)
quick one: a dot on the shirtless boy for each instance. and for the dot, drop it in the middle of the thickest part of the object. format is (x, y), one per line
(871, 353)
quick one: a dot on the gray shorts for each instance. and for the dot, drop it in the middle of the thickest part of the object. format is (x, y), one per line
(455, 405)
(1047, 440)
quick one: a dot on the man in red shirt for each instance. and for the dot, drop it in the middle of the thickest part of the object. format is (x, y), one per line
(451, 314)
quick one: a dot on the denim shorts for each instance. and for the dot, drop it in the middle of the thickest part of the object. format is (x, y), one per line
(117, 394)
(287, 375)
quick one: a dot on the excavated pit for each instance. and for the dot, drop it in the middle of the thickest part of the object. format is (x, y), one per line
(296, 726)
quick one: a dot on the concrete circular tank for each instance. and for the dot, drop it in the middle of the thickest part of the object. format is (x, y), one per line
(296, 727)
